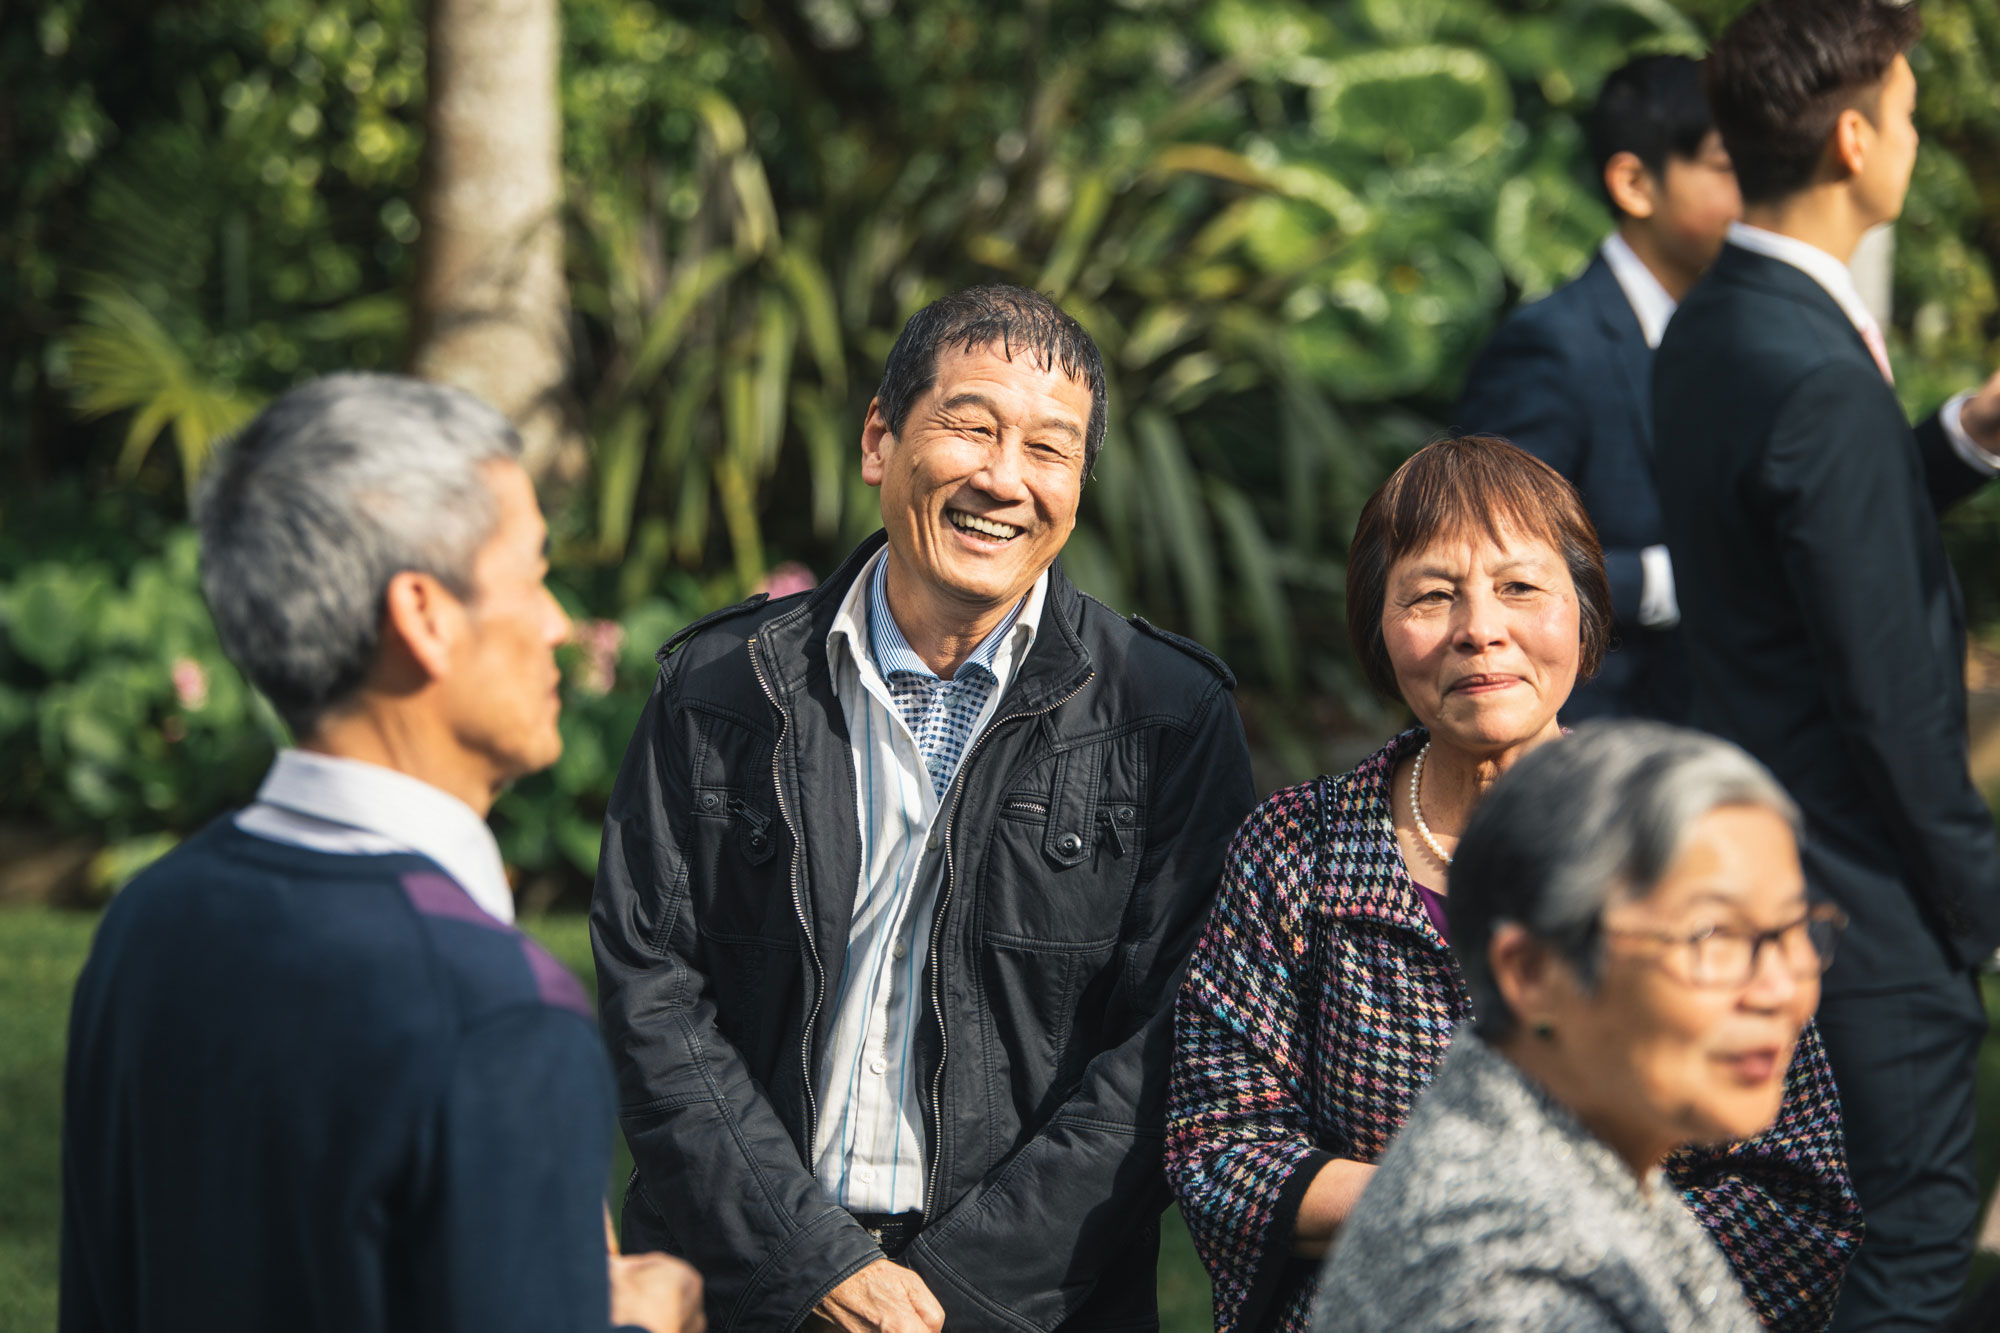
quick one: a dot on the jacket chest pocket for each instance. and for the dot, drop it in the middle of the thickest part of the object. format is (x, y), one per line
(736, 867)
(1070, 833)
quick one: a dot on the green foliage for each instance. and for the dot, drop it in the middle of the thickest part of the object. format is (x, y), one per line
(120, 716)
(1284, 229)
(249, 225)
(118, 713)
(1288, 226)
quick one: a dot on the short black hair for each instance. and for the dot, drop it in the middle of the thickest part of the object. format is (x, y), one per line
(1014, 319)
(1652, 108)
(1782, 74)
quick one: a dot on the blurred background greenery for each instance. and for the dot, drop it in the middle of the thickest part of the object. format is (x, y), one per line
(1289, 226)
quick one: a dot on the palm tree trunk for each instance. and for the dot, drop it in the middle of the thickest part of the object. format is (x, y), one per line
(492, 306)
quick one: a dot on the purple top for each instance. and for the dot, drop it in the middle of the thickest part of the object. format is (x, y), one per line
(1434, 907)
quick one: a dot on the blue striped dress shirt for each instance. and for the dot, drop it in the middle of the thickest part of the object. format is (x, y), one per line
(910, 731)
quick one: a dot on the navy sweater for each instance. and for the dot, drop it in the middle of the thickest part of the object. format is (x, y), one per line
(309, 1091)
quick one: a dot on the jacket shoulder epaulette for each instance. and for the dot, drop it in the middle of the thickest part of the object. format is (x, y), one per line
(714, 617)
(1186, 645)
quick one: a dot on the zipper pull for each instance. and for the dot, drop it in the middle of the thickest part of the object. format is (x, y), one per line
(1110, 826)
(742, 809)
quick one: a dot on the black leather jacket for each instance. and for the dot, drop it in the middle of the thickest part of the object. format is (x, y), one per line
(1084, 836)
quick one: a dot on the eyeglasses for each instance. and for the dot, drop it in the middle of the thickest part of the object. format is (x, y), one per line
(1722, 956)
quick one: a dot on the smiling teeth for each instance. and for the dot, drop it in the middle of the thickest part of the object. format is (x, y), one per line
(973, 523)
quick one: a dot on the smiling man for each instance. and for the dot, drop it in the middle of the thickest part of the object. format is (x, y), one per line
(898, 879)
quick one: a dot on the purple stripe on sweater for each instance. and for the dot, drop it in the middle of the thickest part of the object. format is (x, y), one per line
(437, 895)
(553, 981)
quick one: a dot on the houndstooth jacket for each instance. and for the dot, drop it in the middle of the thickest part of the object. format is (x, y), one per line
(1320, 1002)
(1495, 1209)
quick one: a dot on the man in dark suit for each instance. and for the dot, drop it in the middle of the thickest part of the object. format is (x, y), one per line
(1824, 627)
(1566, 378)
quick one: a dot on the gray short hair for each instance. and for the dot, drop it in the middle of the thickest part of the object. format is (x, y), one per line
(1576, 823)
(333, 490)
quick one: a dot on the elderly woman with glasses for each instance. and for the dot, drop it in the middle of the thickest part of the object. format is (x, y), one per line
(1324, 994)
(1630, 917)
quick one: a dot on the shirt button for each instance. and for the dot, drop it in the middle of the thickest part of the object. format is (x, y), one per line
(901, 950)
(878, 1066)
(865, 1174)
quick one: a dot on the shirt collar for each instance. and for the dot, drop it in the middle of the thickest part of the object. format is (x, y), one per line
(870, 622)
(397, 807)
(1814, 262)
(1650, 301)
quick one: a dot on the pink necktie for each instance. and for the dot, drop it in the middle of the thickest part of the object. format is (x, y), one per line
(1871, 333)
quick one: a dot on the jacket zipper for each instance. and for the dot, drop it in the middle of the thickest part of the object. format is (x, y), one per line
(805, 918)
(937, 932)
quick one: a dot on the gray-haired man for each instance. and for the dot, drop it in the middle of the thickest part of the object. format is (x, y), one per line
(316, 1080)
(900, 875)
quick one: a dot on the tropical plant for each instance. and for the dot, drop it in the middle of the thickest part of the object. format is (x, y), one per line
(1288, 225)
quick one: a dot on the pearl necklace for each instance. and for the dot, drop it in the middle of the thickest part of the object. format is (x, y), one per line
(1417, 807)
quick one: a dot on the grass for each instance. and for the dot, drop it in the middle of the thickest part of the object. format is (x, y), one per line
(41, 953)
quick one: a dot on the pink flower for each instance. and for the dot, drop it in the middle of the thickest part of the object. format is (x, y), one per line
(190, 684)
(787, 579)
(600, 641)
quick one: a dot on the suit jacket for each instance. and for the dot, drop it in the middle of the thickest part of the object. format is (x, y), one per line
(1823, 621)
(1566, 379)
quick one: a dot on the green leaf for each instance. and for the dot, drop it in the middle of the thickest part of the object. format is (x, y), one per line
(1414, 103)
(621, 455)
(121, 862)
(1180, 519)
(50, 612)
(777, 334)
(122, 359)
(689, 288)
(1257, 582)
(829, 453)
(1086, 215)
(812, 295)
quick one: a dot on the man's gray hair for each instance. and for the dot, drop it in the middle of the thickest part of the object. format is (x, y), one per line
(333, 490)
(1577, 823)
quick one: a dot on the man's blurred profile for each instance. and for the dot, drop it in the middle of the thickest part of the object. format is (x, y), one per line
(316, 1079)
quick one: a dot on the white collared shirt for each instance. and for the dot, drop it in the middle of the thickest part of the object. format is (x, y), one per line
(1650, 301)
(869, 1152)
(1838, 281)
(352, 808)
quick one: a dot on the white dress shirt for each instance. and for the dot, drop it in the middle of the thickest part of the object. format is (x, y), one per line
(1654, 306)
(1651, 302)
(353, 808)
(869, 1152)
(1831, 274)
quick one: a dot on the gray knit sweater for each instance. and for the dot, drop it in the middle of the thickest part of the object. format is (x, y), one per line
(1496, 1209)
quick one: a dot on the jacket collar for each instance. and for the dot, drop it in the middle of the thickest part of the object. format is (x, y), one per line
(793, 645)
(1748, 268)
(1370, 882)
(1627, 339)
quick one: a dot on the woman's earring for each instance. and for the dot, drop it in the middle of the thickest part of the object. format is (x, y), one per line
(1544, 1031)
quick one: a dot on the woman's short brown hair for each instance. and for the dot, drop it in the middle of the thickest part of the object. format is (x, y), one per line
(1456, 487)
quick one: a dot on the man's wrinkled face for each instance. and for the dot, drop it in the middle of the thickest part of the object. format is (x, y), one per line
(501, 692)
(980, 486)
